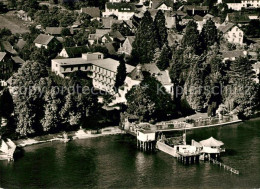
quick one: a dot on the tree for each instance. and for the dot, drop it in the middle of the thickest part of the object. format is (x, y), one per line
(209, 34)
(65, 32)
(146, 40)
(191, 37)
(121, 74)
(164, 59)
(6, 104)
(160, 27)
(150, 101)
(11, 4)
(122, 28)
(29, 84)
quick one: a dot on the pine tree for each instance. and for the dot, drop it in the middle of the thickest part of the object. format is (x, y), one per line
(121, 74)
(161, 29)
(164, 59)
(209, 34)
(191, 37)
(146, 40)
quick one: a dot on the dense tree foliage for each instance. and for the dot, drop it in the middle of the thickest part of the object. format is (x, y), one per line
(121, 74)
(146, 40)
(150, 101)
(209, 34)
(164, 59)
(160, 26)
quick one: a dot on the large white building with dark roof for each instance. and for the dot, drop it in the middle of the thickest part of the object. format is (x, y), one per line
(102, 71)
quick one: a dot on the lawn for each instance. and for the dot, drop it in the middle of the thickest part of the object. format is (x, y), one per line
(10, 21)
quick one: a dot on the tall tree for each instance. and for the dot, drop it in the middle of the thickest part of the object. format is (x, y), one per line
(161, 29)
(121, 74)
(209, 34)
(146, 40)
(164, 59)
(191, 37)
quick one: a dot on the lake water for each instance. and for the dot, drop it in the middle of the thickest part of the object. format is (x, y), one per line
(114, 162)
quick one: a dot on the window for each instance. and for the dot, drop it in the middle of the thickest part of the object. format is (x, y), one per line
(99, 56)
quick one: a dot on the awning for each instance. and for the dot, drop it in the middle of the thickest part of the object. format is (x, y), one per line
(211, 142)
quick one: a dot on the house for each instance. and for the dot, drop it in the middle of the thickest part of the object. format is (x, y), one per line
(20, 44)
(55, 31)
(232, 33)
(237, 18)
(195, 10)
(43, 40)
(6, 66)
(95, 37)
(113, 36)
(233, 55)
(111, 47)
(93, 12)
(7, 47)
(135, 77)
(185, 20)
(127, 45)
(174, 38)
(162, 5)
(170, 22)
(73, 52)
(101, 70)
(123, 11)
(23, 15)
(239, 4)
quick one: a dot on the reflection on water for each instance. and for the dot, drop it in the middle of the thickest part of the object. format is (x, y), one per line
(115, 162)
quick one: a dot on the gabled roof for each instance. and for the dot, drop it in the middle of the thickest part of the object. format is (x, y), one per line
(17, 60)
(211, 142)
(157, 3)
(43, 39)
(109, 21)
(238, 17)
(198, 18)
(53, 30)
(195, 7)
(102, 31)
(130, 39)
(116, 35)
(2, 55)
(208, 16)
(74, 52)
(6, 46)
(110, 47)
(20, 44)
(226, 28)
(94, 12)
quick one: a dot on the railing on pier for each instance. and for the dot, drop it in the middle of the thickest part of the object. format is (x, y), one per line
(228, 168)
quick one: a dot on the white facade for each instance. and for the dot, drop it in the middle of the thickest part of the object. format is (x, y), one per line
(41, 45)
(64, 53)
(164, 7)
(244, 4)
(235, 35)
(123, 14)
(145, 136)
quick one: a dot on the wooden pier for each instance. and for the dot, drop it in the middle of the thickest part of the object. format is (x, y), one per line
(228, 168)
(188, 158)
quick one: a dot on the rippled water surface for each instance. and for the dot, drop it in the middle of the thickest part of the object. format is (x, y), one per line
(114, 162)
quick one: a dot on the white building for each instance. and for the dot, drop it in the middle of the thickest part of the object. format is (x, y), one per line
(239, 4)
(123, 11)
(232, 33)
(43, 40)
(102, 71)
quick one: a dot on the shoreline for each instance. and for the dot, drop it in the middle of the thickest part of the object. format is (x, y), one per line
(107, 131)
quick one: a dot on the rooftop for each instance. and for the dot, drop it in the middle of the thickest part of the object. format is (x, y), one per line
(226, 28)
(94, 12)
(43, 39)
(2, 55)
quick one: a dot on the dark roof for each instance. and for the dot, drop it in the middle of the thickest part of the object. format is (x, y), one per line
(157, 3)
(110, 47)
(238, 17)
(121, 7)
(226, 28)
(43, 39)
(117, 35)
(198, 18)
(94, 12)
(74, 52)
